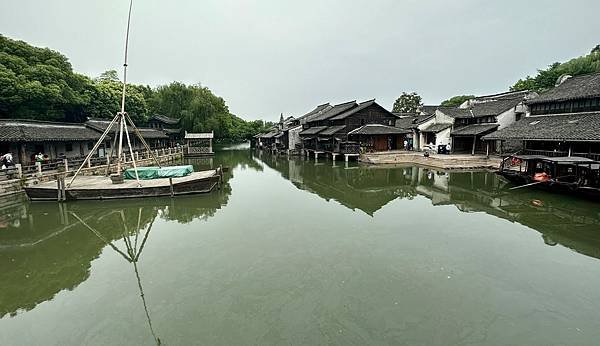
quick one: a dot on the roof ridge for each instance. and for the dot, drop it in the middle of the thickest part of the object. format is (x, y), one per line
(42, 122)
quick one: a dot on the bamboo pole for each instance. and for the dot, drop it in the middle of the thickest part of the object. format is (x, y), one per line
(137, 132)
(132, 157)
(93, 149)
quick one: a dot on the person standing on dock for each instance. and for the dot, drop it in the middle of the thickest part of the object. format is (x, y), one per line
(7, 161)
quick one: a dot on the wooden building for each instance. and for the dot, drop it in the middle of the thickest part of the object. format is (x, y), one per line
(170, 126)
(198, 144)
(26, 138)
(328, 129)
(57, 140)
(564, 121)
(464, 127)
(155, 138)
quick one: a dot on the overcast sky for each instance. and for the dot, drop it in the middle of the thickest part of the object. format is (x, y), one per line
(271, 56)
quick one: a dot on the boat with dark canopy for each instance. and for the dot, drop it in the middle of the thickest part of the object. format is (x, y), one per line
(564, 174)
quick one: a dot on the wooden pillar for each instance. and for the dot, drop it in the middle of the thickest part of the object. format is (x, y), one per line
(19, 168)
(66, 163)
(487, 149)
(38, 166)
(570, 149)
(474, 142)
(22, 155)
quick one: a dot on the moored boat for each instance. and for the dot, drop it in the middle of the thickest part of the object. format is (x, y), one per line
(565, 174)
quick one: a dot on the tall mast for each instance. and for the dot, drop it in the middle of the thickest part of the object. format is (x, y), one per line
(122, 122)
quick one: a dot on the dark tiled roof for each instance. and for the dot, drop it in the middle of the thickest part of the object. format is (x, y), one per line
(579, 87)
(474, 129)
(573, 127)
(504, 96)
(360, 107)
(436, 127)
(333, 111)
(331, 130)
(428, 109)
(172, 131)
(269, 134)
(102, 124)
(412, 122)
(482, 108)
(315, 111)
(165, 119)
(149, 133)
(313, 130)
(377, 129)
(32, 130)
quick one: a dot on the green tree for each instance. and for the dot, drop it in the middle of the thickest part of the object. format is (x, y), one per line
(38, 83)
(546, 78)
(407, 103)
(110, 75)
(456, 101)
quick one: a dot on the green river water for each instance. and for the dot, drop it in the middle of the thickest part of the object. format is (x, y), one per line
(293, 252)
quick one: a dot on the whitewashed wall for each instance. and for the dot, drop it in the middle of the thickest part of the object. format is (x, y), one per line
(294, 137)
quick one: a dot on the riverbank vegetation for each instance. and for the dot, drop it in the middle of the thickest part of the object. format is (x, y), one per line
(546, 78)
(39, 83)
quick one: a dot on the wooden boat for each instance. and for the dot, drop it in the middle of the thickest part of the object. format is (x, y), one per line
(565, 174)
(100, 187)
(168, 182)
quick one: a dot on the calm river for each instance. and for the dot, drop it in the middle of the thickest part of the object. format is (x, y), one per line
(291, 252)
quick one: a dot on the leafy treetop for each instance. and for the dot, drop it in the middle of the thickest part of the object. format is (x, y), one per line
(407, 103)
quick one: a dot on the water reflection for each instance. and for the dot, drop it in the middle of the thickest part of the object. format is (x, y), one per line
(134, 240)
(560, 219)
(46, 248)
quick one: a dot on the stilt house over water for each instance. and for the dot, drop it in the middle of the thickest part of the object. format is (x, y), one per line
(564, 121)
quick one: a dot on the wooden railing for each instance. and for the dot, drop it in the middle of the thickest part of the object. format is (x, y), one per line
(70, 164)
(553, 153)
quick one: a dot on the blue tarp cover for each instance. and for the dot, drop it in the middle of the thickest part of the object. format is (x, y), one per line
(147, 173)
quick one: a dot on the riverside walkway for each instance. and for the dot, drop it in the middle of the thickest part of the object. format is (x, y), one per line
(448, 162)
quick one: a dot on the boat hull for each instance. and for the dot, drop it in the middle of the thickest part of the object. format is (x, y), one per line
(157, 188)
(552, 186)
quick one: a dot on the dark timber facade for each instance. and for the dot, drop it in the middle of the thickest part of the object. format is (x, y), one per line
(564, 121)
(330, 129)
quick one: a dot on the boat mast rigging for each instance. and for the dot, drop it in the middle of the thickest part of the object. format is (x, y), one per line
(123, 119)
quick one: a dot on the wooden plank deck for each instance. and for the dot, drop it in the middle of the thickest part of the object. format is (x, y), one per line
(104, 183)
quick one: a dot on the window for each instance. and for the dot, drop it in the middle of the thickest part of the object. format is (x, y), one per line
(69, 147)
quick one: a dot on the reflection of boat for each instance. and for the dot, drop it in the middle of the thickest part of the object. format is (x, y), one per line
(571, 174)
(133, 250)
(34, 266)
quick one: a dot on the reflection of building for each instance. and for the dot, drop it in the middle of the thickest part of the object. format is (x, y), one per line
(560, 220)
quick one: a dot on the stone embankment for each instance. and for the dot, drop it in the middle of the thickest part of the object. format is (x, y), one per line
(447, 162)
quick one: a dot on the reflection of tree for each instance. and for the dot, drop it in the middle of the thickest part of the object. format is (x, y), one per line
(133, 252)
(34, 263)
